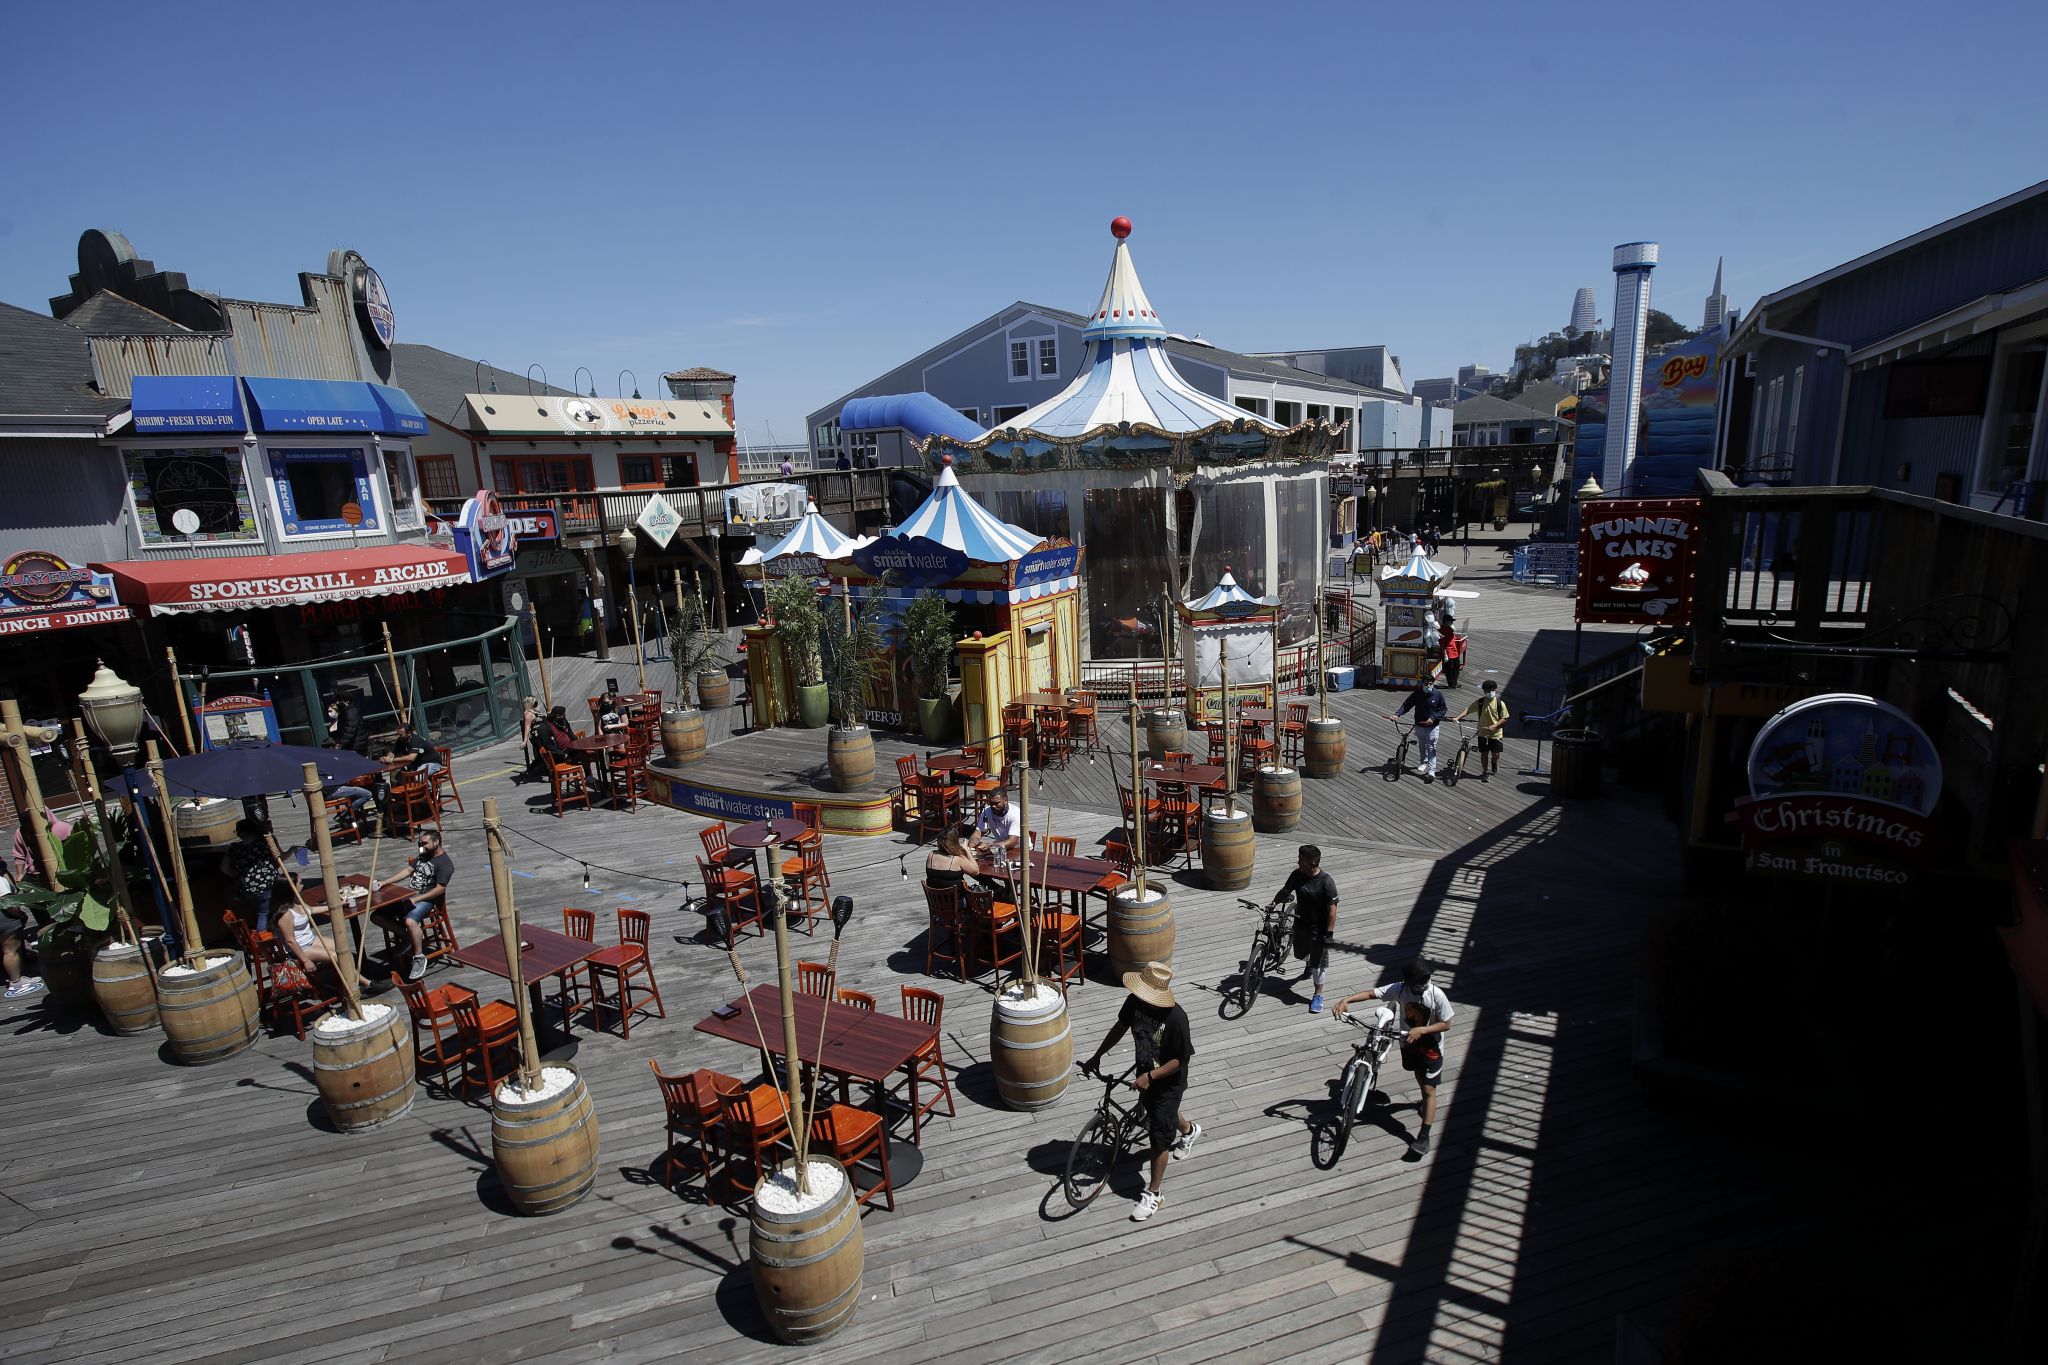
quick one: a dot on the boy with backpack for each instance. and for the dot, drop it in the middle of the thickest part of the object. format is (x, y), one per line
(1428, 707)
(1492, 714)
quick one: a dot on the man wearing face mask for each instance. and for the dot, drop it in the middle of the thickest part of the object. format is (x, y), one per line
(427, 878)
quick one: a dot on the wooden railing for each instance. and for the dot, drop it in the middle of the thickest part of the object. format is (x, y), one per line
(700, 509)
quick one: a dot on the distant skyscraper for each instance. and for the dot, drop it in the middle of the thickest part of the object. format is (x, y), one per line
(1717, 303)
(1584, 319)
(1633, 262)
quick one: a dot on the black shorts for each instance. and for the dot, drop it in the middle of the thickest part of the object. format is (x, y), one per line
(1425, 1068)
(1490, 746)
(1314, 949)
(1162, 1115)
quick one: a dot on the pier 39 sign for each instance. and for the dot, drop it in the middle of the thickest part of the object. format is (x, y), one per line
(1636, 560)
(1842, 790)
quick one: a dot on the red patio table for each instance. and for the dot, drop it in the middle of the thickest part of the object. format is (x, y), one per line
(542, 953)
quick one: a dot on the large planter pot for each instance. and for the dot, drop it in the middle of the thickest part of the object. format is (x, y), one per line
(1227, 844)
(1030, 1045)
(1322, 749)
(545, 1142)
(813, 705)
(122, 986)
(806, 1252)
(209, 1012)
(935, 718)
(364, 1067)
(682, 736)
(714, 689)
(1276, 800)
(1166, 731)
(209, 820)
(67, 968)
(850, 754)
(1140, 927)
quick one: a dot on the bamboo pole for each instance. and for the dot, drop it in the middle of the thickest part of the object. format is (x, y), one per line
(508, 932)
(1024, 884)
(795, 1094)
(31, 790)
(675, 659)
(1137, 794)
(184, 705)
(1276, 667)
(337, 913)
(639, 646)
(399, 695)
(540, 653)
(188, 923)
(89, 787)
(1322, 669)
(1229, 732)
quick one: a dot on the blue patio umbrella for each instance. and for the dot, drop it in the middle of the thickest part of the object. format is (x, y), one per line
(254, 770)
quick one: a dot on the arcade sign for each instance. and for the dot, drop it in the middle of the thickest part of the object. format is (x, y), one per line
(485, 537)
(914, 561)
(1842, 791)
(1636, 559)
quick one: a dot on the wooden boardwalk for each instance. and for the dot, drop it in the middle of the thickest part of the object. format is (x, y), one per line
(153, 1211)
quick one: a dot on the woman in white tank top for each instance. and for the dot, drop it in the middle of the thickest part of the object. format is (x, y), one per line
(310, 948)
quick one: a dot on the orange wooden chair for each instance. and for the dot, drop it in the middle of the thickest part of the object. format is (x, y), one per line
(283, 988)
(816, 978)
(938, 802)
(756, 1125)
(625, 771)
(694, 1117)
(812, 817)
(1294, 732)
(1081, 719)
(737, 893)
(1061, 846)
(1055, 735)
(993, 921)
(569, 785)
(623, 966)
(579, 991)
(341, 822)
(1059, 932)
(909, 786)
(436, 1038)
(859, 1000)
(412, 801)
(1018, 738)
(856, 1139)
(946, 937)
(810, 894)
(444, 781)
(485, 1035)
(928, 1065)
(717, 841)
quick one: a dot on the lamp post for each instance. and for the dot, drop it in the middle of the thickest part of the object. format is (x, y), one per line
(1587, 491)
(113, 709)
(628, 543)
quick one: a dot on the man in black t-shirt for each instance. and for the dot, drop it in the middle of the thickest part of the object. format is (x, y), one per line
(1315, 917)
(426, 879)
(1159, 1029)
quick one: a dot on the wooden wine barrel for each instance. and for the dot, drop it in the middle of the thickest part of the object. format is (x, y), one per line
(850, 754)
(1276, 800)
(209, 1014)
(1031, 1046)
(714, 690)
(364, 1067)
(1165, 730)
(682, 736)
(807, 1261)
(1140, 929)
(1322, 748)
(121, 984)
(545, 1147)
(1227, 844)
(208, 820)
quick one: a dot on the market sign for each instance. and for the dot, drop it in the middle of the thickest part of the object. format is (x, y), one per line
(915, 561)
(659, 520)
(1636, 560)
(484, 536)
(1842, 790)
(1047, 566)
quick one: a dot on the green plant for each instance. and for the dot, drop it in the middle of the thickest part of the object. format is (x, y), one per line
(928, 640)
(793, 602)
(84, 908)
(853, 659)
(693, 647)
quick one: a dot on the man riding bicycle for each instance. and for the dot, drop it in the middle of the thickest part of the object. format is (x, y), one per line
(1429, 708)
(1426, 1011)
(1159, 1029)
(1315, 917)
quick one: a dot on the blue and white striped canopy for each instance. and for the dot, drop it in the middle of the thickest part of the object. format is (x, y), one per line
(1230, 599)
(1419, 566)
(813, 535)
(955, 520)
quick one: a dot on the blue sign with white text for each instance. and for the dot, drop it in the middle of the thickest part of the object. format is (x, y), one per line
(1044, 566)
(914, 561)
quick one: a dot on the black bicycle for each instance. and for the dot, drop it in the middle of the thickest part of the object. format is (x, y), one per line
(1397, 762)
(1456, 772)
(1109, 1132)
(1361, 1073)
(1270, 942)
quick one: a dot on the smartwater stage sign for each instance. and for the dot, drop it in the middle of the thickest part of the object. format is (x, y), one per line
(1636, 560)
(1842, 790)
(915, 561)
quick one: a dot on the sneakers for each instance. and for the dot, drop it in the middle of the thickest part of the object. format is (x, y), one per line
(1186, 1142)
(1429, 776)
(1148, 1204)
(28, 985)
(1315, 1003)
(1420, 1146)
(418, 970)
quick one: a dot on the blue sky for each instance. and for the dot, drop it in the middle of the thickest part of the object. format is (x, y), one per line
(808, 194)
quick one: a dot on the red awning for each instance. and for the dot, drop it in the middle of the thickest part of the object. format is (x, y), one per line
(172, 586)
(67, 619)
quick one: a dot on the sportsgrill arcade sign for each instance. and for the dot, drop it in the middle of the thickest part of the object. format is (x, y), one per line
(1636, 560)
(1843, 788)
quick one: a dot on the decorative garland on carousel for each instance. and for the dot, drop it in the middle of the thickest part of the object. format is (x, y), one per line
(1008, 450)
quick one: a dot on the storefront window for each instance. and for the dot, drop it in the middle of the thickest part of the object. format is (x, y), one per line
(1128, 571)
(1299, 504)
(401, 483)
(1229, 531)
(1041, 511)
(312, 489)
(437, 476)
(207, 482)
(637, 471)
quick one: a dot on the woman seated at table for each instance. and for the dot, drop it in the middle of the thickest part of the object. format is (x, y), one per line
(610, 720)
(950, 864)
(310, 949)
(552, 735)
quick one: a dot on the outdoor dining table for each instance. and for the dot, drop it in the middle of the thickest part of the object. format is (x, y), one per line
(590, 750)
(1035, 700)
(759, 834)
(542, 953)
(861, 1045)
(1062, 874)
(379, 897)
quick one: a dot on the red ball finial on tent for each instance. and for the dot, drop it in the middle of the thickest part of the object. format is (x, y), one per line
(977, 635)
(1119, 227)
(946, 461)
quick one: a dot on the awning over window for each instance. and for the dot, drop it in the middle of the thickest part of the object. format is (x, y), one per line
(321, 405)
(175, 586)
(172, 405)
(402, 416)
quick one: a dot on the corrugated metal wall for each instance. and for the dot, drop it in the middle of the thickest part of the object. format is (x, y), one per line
(1998, 253)
(68, 497)
(117, 360)
(1874, 449)
(282, 342)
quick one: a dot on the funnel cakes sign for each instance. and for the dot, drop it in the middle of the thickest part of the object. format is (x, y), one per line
(1636, 560)
(1842, 790)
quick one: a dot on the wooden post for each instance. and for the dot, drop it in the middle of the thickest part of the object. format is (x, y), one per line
(796, 1089)
(337, 913)
(188, 923)
(540, 652)
(1137, 793)
(675, 660)
(1024, 885)
(1229, 730)
(400, 697)
(508, 932)
(89, 787)
(31, 790)
(184, 704)
(639, 646)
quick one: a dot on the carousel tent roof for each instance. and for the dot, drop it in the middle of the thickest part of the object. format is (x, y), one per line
(1127, 375)
(1227, 596)
(955, 520)
(1419, 565)
(813, 535)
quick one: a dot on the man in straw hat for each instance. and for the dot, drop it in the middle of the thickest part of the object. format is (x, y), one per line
(1159, 1029)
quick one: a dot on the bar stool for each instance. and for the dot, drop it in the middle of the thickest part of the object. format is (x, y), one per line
(1294, 733)
(1081, 719)
(1054, 734)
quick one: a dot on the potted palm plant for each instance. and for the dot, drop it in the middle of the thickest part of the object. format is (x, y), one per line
(698, 654)
(793, 602)
(692, 649)
(928, 639)
(76, 920)
(853, 660)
